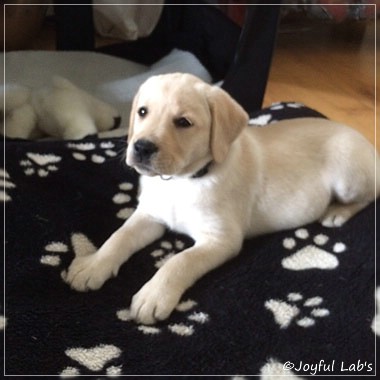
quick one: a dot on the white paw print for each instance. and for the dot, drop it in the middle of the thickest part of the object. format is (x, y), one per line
(52, 253)
(260, 120)
(94, 359)
(40, 164)
(6, 185)
(303, 312)
(122, 197)
(193, 318)
(83, 151)
(312, 255)
(80, 245)
(184, 329)
(166, 251)
(294, 105)
(277, 106)
(274, 369)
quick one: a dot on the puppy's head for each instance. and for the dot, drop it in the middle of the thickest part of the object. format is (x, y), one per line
(179, 123)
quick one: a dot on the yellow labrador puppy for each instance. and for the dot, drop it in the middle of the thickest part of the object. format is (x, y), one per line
(207, 174)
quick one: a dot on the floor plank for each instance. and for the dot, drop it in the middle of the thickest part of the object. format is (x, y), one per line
(327, 73)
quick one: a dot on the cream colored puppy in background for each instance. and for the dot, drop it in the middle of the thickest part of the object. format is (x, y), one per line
(205, 173)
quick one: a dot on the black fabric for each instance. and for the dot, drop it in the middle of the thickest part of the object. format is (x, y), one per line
(62, 195)
(283, 110)
(75, 27)
(202, 30)
(241, 58)
(253, 57)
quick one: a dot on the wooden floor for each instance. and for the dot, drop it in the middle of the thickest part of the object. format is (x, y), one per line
(321, 69)
(328, 73)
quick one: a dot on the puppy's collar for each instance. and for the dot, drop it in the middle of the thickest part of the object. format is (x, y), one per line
(203, 171)
(199, 174)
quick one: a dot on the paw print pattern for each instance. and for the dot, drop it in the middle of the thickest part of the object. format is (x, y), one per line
(193, 318)
(274, 369)
(260, 120)
(84, 151)
(40, 164)
(303, 312)
(52, 251)
(6, 185)
(184, 329)
(311, 256)
(79, 244)
(166, 251)
(280, 106)
(94, 359)
(270, 117)
(122, 197)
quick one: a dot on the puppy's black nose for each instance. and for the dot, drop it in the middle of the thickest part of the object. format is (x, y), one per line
(116, 122)
(144, 149)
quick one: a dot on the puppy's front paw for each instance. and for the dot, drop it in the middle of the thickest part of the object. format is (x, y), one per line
(154, 302)
(88, 273)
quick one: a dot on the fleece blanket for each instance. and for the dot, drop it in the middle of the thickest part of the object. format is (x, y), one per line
(111, 79)
(297, 302)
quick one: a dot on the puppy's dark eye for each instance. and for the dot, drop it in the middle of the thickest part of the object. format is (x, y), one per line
(182, 122)
(142, 111)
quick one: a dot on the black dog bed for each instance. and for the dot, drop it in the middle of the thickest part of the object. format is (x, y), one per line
(297, 302)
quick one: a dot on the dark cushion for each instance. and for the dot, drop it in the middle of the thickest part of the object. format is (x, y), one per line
(253, 314)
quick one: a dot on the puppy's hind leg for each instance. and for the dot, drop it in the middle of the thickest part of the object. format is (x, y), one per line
(337, 214)
(357, 186)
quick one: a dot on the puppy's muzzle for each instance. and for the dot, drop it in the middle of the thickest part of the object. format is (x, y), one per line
(143, 150)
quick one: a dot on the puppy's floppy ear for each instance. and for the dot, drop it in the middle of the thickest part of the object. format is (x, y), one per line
(132, 116)
(228, 119)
